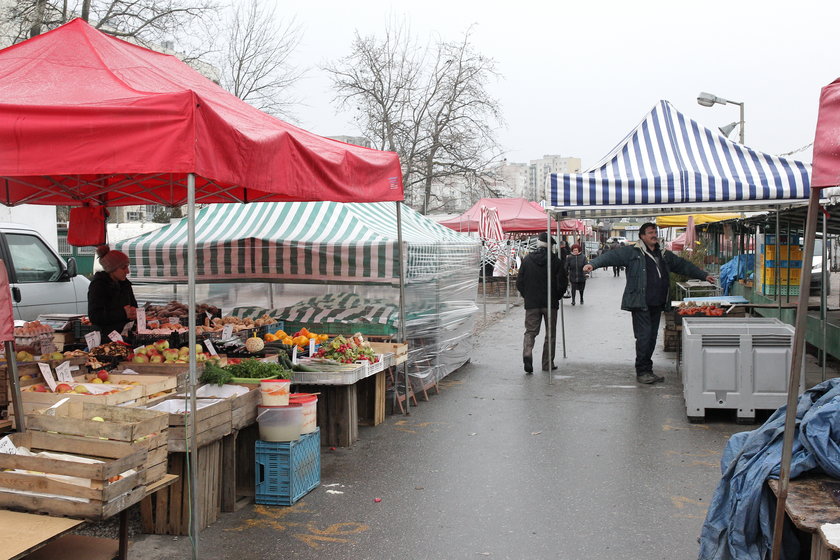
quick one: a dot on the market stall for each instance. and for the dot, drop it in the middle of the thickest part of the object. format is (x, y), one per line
(156, 132)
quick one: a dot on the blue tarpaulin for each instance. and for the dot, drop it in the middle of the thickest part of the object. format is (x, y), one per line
(736, 268)
(739, 523)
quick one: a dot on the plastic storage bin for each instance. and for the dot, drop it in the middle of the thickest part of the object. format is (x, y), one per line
(309, 403)
(280, 423)
(736, 363)
(286, 472)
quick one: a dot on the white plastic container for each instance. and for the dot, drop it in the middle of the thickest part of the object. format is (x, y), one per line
(280, 423)
(275, 392)
(309, 404)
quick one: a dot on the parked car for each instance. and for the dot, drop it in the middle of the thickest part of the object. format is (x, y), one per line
(619, 240)
(41, 281)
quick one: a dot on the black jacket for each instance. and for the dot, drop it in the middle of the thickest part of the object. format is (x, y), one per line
(532, 281)
(106, 299)
(574, 268)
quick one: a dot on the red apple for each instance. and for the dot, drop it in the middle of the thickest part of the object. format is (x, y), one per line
(63, 388)
(102, 374)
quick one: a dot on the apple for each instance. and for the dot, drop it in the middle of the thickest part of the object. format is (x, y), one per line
(181, 362)
(63, 388)
(170, 354)
(26, 377)
(56, 356)
(40, 389)
(96, 380)
(141, 350)
(98, 419)
(140, 359)
(201, 357)
(81, 389)
(184, 350)
(102, 374)
(199, 349)
(161, 345)
(156, 359)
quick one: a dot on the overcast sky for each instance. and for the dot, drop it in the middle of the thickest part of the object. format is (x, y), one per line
(578, 75)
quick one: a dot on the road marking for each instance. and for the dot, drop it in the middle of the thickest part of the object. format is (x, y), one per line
(681, 501)
(668, 427)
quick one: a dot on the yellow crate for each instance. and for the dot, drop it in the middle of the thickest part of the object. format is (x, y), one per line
(787, 276)
(786, 252)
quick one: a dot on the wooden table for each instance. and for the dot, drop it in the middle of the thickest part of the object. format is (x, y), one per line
(809, 505)
(42, 537)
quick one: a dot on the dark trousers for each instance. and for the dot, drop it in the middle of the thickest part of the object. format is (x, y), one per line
(645, 330)
(616, 271)
(578, 287)
(533, 318)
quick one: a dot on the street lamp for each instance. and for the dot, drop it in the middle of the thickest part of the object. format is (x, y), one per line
(708, 100)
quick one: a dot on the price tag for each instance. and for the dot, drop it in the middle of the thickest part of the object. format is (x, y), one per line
(62, 372)
(47, 373)
(294, 354)
(93, 339)
(209, 315)
(311, 346)
(174, 321)
(227, 332)
(7, 447)
(141, 320)
(210, 348)
(115, 336)
(127, 328)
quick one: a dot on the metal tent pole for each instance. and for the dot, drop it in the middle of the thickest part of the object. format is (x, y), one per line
(402, 331)
(823, 289)
(11, 360)
(508, 262)
(795, 371)
(193, 440)
(548, 332)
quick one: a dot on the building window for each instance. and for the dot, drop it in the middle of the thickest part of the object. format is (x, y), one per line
(134, 216)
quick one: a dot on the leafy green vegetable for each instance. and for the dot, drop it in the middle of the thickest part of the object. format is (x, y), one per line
(255, 369)
(215, 375)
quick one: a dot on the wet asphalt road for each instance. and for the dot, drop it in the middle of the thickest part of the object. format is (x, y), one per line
(501, 465)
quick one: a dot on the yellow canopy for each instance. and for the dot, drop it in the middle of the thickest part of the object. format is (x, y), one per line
(682, 221)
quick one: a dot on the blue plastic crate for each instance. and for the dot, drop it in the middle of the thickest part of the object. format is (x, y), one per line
(286, 471)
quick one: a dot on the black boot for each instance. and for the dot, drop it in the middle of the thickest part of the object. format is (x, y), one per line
(529, 364)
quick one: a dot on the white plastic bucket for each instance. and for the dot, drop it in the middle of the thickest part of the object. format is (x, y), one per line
(275, 392)
(309, 404)
(280, 423)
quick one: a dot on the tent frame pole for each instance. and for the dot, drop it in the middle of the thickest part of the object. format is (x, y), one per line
(11, 360)
(193, 378)
(795, 370)
(403, 339)
(548, 332)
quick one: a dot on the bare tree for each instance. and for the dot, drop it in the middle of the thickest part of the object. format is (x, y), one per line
(429, 105)
(147, 22)
(255, 61)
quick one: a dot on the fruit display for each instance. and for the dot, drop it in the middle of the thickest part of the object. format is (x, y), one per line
(161, 353)
(217, 324)
(176, 309)
(111, 350)
(300, 339)
(88, 388)
(247, 369)
(34, 338)
(691, 308)
(347, 351)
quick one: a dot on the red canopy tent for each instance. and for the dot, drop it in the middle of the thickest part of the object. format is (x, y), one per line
(93, 118)
(515, 214)
(90, 119)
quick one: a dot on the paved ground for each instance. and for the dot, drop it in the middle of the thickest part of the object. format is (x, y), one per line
(500, 465)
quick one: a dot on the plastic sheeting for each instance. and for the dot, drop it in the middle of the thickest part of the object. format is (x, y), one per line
(738, 267)
(739, 523)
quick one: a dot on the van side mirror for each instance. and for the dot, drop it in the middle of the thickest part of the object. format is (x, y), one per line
(72, 271)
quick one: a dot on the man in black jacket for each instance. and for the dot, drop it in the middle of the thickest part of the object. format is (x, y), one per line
(532, 283)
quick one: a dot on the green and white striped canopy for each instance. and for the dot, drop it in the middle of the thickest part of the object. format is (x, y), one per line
(301, 242)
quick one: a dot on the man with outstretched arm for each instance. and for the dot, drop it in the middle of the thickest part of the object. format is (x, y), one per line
(646, 293)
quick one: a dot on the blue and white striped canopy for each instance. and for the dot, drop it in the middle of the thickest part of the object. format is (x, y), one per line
(671, 164)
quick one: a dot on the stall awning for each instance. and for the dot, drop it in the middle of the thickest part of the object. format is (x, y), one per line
(670, 162)
(297, 242)
(681, 220)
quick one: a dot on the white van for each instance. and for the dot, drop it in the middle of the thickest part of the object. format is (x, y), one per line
(41, 281)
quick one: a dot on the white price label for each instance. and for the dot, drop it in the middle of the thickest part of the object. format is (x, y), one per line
(93, 339)
(115, 336)
(174, 321)
(127, 328)
(311, 346)
(62, 372)
(227, 332)
(47, 374)
(141, 320)
(294, 354)
(209, 315)
(210, 348)
(7, 447)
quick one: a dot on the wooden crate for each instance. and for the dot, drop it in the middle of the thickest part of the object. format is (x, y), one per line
(167, 512)
(371, 399)
(213, 422)
(104, 499)
(143, 429)
(33, 400)
(238, 468)
(398, 349)
(151, 384)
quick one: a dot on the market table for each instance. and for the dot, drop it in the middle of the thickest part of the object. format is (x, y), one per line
(338, 398)
(809, 506)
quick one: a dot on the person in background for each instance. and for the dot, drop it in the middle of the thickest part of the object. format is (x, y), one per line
(616, 269)
(574, 270)
(111, 302)
(532, 284)
(646, 292)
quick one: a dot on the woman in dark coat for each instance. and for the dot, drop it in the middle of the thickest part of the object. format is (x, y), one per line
(111, 302)
(574, 270)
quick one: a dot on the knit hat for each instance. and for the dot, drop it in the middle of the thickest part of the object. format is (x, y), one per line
(111, 260)
(543, 240)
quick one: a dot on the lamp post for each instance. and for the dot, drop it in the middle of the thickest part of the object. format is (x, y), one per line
(708, 100)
